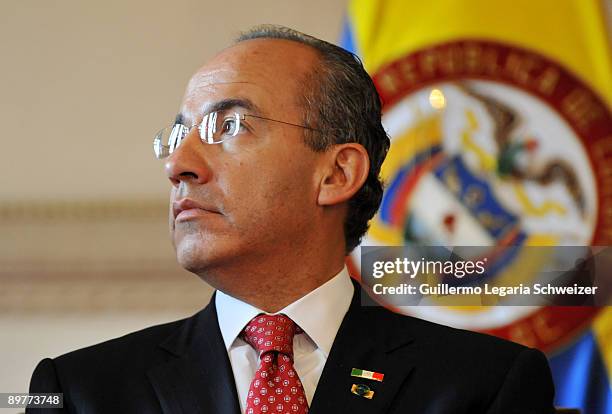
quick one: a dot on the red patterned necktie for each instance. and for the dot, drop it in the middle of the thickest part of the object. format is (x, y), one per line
(275, 388)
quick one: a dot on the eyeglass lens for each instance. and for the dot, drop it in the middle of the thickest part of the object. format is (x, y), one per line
(214, 128)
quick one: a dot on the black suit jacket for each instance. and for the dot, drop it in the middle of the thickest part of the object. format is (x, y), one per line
(183, 367)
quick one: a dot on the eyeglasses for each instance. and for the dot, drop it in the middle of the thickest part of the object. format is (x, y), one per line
(216, 127)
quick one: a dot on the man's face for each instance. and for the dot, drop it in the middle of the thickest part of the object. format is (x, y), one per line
(253, 196)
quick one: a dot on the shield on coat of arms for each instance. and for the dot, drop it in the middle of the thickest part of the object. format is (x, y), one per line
(492, 146)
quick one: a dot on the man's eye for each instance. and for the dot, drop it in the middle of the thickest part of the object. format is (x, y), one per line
(231, 127)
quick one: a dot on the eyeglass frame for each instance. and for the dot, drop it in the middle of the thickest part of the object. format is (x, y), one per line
(239, 116)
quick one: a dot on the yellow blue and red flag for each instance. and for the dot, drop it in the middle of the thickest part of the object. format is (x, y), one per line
(499, 115)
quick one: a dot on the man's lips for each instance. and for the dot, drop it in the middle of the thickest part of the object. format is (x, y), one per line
(187, 208)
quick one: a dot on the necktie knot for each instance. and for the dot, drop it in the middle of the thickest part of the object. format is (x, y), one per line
(276, 387)
(268, 333)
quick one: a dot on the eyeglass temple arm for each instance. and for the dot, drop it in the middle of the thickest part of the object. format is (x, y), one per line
(281, 122)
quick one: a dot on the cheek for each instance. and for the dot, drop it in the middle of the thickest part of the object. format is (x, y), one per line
(268, 181)
(277, 193)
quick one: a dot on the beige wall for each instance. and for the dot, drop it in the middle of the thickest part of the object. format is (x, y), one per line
(85, 84)
(84, 254)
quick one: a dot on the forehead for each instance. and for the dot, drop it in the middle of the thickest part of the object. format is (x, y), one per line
(268, 72)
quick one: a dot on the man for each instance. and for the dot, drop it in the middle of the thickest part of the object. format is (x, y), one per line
(271, 187)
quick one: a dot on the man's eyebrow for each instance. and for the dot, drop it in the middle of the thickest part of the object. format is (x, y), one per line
(230, 103)
(223, 105)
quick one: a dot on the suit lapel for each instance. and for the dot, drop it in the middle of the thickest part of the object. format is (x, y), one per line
(198, 377)
(370, 339)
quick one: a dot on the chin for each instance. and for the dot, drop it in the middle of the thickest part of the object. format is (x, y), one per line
(193, 259)
(210, 268)
(198, 256)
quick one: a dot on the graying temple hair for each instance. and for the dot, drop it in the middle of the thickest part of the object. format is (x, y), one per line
(341, 102)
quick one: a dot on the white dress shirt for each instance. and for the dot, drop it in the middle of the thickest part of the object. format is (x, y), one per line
(319, 314)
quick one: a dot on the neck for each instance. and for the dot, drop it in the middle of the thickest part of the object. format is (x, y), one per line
(271, 283)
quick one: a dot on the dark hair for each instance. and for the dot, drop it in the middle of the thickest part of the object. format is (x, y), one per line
(342, 104)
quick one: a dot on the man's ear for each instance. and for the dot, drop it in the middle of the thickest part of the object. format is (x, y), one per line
(347, 170)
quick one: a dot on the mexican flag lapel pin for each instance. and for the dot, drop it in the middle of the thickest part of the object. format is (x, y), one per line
(362, 373)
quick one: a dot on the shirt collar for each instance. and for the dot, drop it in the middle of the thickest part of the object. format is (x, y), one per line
(319, 313)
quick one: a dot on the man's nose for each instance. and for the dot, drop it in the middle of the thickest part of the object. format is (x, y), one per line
(187, 162)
